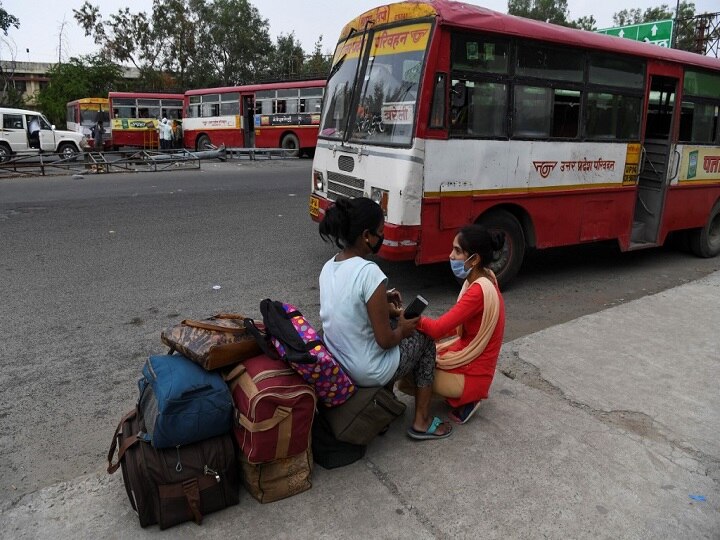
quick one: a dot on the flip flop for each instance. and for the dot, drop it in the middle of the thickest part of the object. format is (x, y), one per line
(463, 414)
(430, 433)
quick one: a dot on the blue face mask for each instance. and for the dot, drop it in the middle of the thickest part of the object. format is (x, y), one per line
(458, 268)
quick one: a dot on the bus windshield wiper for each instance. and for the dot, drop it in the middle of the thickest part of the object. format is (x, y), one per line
(336, 67)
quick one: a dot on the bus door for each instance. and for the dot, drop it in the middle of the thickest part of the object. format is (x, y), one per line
(248, 123)
(659, 164)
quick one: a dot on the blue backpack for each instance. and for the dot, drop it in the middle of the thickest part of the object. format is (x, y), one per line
(181, 403)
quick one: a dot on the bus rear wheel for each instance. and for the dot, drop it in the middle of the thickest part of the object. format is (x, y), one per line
(291, 144)
(506, 261)
(705, 242)
(203, 143)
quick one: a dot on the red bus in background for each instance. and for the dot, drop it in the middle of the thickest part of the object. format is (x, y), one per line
(135, 117)
(272, 115)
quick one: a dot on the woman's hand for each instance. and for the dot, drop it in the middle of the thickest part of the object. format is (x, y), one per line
(407, 326)
(395, 311)
(395, 298)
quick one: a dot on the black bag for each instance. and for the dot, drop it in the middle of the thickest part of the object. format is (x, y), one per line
(362, 417)
(174, 485)
(328, 452)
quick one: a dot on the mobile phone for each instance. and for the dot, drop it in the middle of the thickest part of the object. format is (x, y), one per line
(416, 307)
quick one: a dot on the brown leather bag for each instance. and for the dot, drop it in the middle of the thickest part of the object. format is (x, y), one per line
(174, 485)
(216, 342)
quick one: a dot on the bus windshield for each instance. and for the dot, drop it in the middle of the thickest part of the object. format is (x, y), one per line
(385, 91)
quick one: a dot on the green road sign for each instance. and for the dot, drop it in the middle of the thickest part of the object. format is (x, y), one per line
(657, 32)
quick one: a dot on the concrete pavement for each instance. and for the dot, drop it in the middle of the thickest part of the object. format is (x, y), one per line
(607, 426)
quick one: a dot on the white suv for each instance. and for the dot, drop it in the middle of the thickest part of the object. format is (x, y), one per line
(15, 136)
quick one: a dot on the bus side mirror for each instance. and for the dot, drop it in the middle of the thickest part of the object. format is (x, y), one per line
(52, 127)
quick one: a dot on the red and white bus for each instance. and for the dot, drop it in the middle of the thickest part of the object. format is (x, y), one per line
(135, 117)
(84, 113)
(272, 115)
(449, 114)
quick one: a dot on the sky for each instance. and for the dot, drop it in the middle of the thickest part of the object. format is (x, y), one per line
(39, 36)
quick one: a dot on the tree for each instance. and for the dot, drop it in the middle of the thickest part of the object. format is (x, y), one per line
(234, 41)
(184, 42)
(7, 20)
(287, 59)
(318, 64)
(553, 11)
(85, 76)
(10, 95)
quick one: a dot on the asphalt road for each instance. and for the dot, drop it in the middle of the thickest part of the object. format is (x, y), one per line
(92, 269)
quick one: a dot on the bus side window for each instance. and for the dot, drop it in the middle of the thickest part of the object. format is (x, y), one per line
(437, 109)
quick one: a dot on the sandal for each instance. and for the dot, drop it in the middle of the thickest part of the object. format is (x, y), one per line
(430, 432)
(463, 414)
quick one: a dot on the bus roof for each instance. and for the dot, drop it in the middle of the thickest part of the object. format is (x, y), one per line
(92, 100)
(256, 87)
(144, 95)
(471, 17)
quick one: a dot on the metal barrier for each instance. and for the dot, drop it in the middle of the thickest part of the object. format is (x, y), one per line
(130, 160)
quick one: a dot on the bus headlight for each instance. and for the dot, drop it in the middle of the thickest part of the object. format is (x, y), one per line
(380, 196)
(318, 180)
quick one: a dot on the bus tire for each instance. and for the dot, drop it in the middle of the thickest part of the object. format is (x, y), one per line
(202, 143)
(509, 259)
(705, 242)
(67, 150)
(5, 152)
(291, 144)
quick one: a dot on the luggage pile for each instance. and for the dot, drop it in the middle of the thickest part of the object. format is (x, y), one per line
(238, 402)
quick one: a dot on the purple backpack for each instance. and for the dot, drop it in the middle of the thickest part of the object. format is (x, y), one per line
(297, 342)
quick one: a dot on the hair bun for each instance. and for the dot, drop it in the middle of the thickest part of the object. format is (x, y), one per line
(343, 205)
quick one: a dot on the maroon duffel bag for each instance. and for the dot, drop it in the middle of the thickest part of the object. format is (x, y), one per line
(274, 409)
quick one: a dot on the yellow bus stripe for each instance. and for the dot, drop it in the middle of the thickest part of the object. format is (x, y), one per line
(503, 191)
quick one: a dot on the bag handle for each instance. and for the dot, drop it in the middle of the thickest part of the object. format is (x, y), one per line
(192, 495)
(260, 338)
(127, 443)
(235, 373)
(213, 327)
(281, 413)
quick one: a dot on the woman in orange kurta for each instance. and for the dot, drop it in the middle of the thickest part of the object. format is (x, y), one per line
(465, 364)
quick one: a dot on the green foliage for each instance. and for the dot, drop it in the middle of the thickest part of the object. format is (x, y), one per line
(87, 76)
(7, 20)
(287, 59)
(552, 11)
(318, 64)
(197, 42)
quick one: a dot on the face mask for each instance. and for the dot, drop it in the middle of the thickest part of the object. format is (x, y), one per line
(377, 245)
(458, 268)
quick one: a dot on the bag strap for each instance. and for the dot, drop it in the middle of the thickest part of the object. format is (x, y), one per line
(127, 443)
(191, 489)
(213, 327)
(234, 374)
(261, 338)
(281, 413)
(229, 316)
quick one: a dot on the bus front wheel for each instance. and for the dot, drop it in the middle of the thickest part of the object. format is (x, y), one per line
(291, 144)
(507, 260)
(203, 143)
(705, 242)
